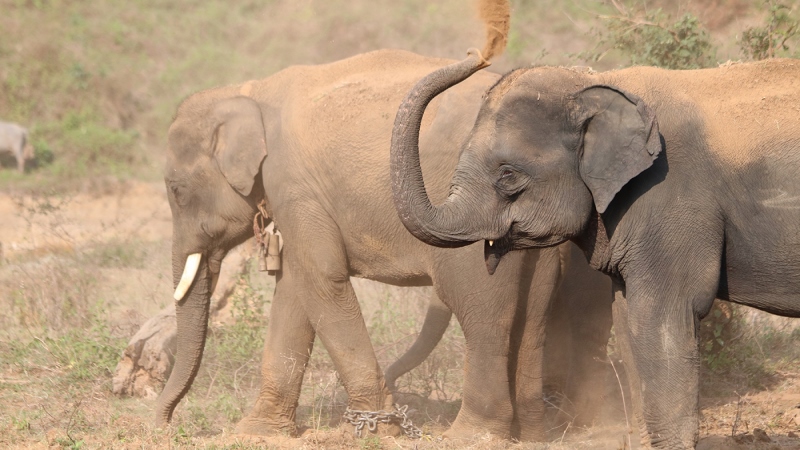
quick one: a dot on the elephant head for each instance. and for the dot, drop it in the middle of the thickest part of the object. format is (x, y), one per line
(215, 150)
(549, 147)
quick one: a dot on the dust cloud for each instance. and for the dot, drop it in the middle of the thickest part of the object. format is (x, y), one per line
(495, 15)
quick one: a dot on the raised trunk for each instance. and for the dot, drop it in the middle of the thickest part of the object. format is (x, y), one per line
(192, 317)
(441, 225)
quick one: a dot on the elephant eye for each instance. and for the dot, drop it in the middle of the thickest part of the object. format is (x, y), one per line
(511, 181)
(178, 193)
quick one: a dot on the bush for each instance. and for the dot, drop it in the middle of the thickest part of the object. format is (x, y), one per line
(652, 38)
(772, 38)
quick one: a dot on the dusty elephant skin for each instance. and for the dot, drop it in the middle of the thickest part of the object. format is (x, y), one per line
(681, 185)
(312, 142)
(576, 334)
(14, 140)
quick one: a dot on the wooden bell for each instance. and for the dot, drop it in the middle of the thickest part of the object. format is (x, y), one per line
(273, 259)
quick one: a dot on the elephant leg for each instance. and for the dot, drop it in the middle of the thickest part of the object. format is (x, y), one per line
(588, 296)
(333, 310)
(528, 340)
(18, 154)
(485, 307)
(290, 340)
(437, 319)
(662, 316)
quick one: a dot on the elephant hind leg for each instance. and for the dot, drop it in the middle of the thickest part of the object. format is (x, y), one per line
(528, 340)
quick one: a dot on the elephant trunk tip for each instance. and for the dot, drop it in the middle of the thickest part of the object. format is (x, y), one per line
(481, 62)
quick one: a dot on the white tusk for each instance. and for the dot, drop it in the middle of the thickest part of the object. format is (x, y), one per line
(189, 271)
(491, 243)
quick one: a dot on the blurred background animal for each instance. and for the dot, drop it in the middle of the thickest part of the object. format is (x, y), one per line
(14, 140)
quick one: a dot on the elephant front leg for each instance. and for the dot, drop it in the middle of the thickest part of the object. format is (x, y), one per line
(289, 343)
(664, 361)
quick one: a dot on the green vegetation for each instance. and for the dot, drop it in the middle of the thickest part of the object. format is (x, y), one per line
(653, 38)
(773, 38)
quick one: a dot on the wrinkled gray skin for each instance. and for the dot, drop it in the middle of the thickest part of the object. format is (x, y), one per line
(680, 185)
(14, 140)
(574, 362)
(312, 141)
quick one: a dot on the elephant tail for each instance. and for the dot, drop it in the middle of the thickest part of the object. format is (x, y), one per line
(437, 319)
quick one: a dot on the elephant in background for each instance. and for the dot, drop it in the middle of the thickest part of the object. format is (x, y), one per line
(14, 140)
(680, 185)
(310, 142)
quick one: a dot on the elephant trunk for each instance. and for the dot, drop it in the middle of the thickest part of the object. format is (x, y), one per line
(192, 316)
(438, 225)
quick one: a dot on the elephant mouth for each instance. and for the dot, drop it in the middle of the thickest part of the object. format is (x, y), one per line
(514, 239)
(494, 250)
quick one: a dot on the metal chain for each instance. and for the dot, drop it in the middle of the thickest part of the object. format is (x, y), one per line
(371, 419)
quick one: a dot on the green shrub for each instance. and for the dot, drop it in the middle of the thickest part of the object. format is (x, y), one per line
(772, 38)
(653, 38)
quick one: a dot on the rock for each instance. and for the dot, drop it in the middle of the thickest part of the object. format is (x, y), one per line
(147, 360)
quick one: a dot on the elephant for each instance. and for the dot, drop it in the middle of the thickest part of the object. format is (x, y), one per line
(680, 185)
(571, 366)
(309, 144)
(14, 140)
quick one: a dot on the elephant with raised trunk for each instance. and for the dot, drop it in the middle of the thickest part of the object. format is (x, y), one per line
(680, 185)
(311, 142)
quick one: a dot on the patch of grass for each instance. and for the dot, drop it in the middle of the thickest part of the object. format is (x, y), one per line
(747, 349)
(117, 253)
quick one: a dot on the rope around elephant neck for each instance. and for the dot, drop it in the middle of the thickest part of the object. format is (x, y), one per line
(360, 418)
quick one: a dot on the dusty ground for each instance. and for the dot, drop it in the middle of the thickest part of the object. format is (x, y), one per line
(104, 251)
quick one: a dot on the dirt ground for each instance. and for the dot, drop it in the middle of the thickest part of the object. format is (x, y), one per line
(102, 227)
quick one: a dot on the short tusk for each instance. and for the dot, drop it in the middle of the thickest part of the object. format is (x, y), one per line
(491, 243)
(189, 271)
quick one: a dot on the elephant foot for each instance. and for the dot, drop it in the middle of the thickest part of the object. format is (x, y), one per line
(468, 432)
(529, 431)
(259, 426)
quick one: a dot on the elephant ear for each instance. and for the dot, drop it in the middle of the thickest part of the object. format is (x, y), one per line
(239, 142)
(620, 140)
